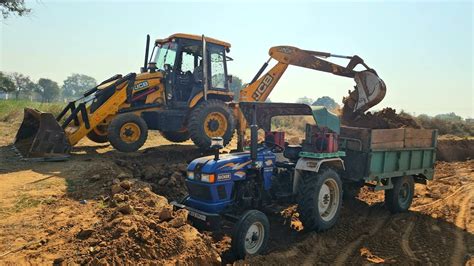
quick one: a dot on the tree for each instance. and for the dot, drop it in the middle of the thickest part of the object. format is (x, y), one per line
(236, 85)
(16, 7)
(76, 84)
(21, 83)
(305, 100)
(6, 84)
(449, 117)
(49, 90)
(327, 102)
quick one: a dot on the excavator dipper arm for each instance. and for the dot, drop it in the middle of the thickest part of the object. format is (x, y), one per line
(369, 89)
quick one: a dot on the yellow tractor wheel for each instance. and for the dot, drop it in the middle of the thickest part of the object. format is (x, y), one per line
(175, 136)
(127, 132)
(98, 134)
(211, 118)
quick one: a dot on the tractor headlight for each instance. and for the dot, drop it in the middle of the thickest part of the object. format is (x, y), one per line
(209, 178)
(191, 175)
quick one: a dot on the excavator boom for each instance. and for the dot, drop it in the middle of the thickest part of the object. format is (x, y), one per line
(369, 89)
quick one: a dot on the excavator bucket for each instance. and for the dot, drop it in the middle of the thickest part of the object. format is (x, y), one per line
(41, 137)
(370, 90)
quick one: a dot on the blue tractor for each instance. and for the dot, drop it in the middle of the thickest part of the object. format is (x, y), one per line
(238, 186)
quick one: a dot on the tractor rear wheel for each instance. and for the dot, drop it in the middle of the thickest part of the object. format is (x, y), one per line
(175, 136)
(399, 198)
(250, 234)
(98, 134)
(212, 118)
(127, 132)
(320, 199)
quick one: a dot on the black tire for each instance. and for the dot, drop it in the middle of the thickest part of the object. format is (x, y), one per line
(96, 137)
(175, 136)
(399, 198)
(309, 191)
(241, 228)
(197, 123)
(135, 122)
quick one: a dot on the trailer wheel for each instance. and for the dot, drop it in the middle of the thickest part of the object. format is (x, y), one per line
(98, 134)
(250, 235)
(127, 132)
(211, 118)
(320, 199)
(175, 136)
(399, 198)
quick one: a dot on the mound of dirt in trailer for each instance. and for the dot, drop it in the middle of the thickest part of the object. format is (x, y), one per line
(139, 226)
(386, 118)
(452, 149)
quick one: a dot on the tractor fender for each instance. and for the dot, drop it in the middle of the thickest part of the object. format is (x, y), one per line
(314, 165)
(223, 96)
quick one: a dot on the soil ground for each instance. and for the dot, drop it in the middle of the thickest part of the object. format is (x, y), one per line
(99, 207)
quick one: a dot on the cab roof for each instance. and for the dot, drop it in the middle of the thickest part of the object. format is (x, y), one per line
(193, 37)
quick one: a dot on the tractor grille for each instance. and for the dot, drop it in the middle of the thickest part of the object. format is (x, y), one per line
(221, 192)
(199, 191)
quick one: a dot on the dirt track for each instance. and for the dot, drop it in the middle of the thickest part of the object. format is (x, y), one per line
(45, 206)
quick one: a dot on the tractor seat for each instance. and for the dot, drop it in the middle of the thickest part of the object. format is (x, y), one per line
(292, 152)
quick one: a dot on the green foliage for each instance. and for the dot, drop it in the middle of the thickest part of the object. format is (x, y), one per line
(447, 124)
(16, 7)
(449, 117)
(236, 85)
(13, 109)
(76, 84)
(49, 90)
(305, 100)
(22, 84)
(327, 102)
(6, 84)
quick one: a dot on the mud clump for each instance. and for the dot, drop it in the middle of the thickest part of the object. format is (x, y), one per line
(384, 119)
(139, 226)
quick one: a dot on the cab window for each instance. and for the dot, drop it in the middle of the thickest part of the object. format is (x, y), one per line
(217, 68)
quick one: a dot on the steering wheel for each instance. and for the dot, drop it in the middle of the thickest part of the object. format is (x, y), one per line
(276, 148)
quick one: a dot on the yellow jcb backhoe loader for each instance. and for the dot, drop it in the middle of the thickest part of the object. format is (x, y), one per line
(182, 91)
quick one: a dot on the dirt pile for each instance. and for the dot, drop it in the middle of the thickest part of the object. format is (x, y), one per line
(386, 118)
(166, 179)
(452, 149)
(138, 226)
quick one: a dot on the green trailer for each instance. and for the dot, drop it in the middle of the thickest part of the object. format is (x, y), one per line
(389, 159)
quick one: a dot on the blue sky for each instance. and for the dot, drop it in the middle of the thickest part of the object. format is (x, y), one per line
(422, 50)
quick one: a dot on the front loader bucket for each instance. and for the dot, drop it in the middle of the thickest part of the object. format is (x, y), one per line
(40, 137)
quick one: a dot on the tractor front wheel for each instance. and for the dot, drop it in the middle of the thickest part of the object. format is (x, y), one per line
(250, 235)
(127, 132)
(212, 118)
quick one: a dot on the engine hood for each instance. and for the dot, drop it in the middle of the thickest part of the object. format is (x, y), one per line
(226, 162)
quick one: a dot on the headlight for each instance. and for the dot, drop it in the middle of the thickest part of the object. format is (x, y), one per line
(191, 175)
(209, 178)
